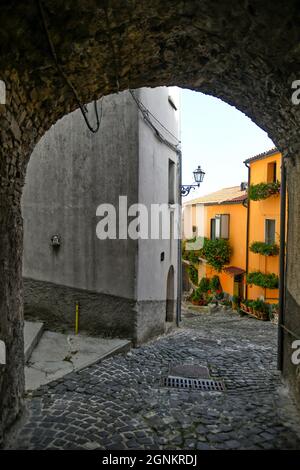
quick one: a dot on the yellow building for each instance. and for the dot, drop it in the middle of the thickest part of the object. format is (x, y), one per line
(248, 216)
(222, 214)
(264, 220)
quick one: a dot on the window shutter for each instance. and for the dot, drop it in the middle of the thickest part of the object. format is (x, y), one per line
(220, 226)
(212, 229)
(270, 231)
(224, 233)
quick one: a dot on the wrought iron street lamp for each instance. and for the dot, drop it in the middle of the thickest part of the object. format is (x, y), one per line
(198, 177)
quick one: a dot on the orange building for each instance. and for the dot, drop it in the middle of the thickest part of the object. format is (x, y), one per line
(224, 215)
(248, 216)
(264, 221)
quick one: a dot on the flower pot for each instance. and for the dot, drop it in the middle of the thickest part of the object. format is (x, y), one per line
(261, 315)
(257, 314)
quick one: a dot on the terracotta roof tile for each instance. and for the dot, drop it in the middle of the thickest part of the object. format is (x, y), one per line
(223, 196)
(263, 155)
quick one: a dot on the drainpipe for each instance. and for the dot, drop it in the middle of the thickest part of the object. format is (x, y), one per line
(179, 263)
(282, 257)
(248, 229)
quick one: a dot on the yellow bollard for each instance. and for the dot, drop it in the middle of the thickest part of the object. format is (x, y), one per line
(76, 318)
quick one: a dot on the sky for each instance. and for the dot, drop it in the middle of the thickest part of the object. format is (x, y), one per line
(219, 138)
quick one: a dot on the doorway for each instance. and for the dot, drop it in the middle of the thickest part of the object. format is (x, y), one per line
(170, 304)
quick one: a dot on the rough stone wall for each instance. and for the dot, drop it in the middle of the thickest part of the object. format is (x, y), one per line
(18, 134)
(292, 292)
(244, 52)
(99, 314)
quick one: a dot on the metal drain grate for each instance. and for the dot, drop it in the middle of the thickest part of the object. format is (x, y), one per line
(194, 384)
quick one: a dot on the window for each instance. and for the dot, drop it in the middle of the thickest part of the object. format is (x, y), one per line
(270, 231)
(171, 182)
(212, 229)
(219, 226)
(271, 172)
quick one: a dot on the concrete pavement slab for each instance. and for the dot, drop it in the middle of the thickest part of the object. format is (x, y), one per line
(59, 354)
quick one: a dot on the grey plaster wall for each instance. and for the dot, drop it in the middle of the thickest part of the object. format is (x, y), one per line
(70, 173)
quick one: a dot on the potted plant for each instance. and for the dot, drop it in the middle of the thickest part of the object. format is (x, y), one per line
(196, 297)
(265, 249)
(215, 283)
(261, 309)
(267, 281)
(266, 312)
(248, 305)
(274, 313)
(256, 308)
(199, 296)
(204, 285)
(235, 302)
(219, 295)
(226, 304)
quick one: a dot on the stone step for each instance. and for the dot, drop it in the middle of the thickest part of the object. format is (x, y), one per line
(57, 355)
(32, 335)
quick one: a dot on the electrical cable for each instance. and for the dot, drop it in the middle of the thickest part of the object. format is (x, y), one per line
(148, 112)
(155, 118)
(83, 108)
(145, 112)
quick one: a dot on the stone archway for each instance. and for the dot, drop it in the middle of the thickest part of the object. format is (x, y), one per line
(170, 304)
(246, 53)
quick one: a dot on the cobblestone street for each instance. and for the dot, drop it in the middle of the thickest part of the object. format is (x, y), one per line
(120, 403)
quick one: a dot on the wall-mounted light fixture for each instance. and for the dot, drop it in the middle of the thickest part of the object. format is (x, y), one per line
(55, 241)
(198, 177)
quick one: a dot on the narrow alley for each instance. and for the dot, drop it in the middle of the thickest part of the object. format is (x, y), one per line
(121, 403)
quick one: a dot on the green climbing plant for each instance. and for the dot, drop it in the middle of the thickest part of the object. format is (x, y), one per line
(267, 281)
(216, 252)
(261, 191)
(265, 249)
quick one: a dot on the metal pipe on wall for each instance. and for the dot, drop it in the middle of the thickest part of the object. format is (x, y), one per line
(248, 229)
(282, 258)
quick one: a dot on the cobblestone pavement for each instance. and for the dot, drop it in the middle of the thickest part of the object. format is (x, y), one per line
(120, 403)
